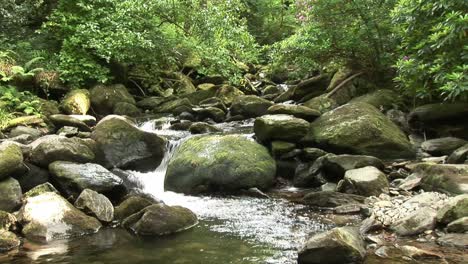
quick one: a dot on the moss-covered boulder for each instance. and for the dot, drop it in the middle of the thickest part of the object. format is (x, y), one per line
(10, 195)
(220, 163)
(49, 216)
(367, 181)
(456, 208)
(11, 159)
(104, 98)
(67, 120)
(176, 106)
(442, 146)
(227, 94)
(360, 129)
(121, 144)
(129, 206)
(76, 102)
(298, 111)
(95, 204)
(250, 106)
(321, 103)
(160, 219)
(48, 149)
(126, 109)
(279, 148)
(280, 127)
(40, 189)
(415, 223)
(449, 178)
(310, 88)
(7, 221)
(381, 99)
(203, 128)
(8, 240)
(337, 246)
(150, 103)
(73, 178)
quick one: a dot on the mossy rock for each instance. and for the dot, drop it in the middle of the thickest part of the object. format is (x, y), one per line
(220, 163)
(280, 127)
(49, 107)
(7, 221)
(11, 195)
(76, 102)
(456, 208)
(11, 159)
(360, 129)
(175, 107)
(126, 109)
(129, 206)
(381, 99)
(448, 178)
(298, 111)
(8, 241)
(321, 103)
(40, 189)
(104, 98)
(250, 106)
(228, 93)
(279, 148)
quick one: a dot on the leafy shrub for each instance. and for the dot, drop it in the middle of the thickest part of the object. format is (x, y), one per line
(11, 101)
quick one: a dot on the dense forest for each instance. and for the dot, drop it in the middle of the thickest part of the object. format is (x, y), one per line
(234, 131)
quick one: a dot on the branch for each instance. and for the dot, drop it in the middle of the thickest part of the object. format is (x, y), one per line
(342, 84)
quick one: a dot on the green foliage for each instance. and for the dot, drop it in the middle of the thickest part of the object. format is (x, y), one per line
(355, 33)
(10, 72)
(434, 49)
(11, 100)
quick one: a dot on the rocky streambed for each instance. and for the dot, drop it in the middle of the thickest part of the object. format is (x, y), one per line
(220, 176)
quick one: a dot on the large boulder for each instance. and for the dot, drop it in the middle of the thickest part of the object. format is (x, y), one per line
(160, 219)
(321, 103)
(11, 159)
(250, 106)
(361, 129)
(442, 177)
(121, 144)
(280, 127)
(104, 98)
(227, 94)
(126, 109)
(220, 163)
(298, 111)
(10, 195)
(456, 208)
(76, 102)
(337, 246)
(49, 216)
(48, 149)
(73, 178)
(309, 88)
(129, 206)
(442, 146)
(95, 204)
(367, 181)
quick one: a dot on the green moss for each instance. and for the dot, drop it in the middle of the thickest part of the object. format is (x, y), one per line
(76, 102)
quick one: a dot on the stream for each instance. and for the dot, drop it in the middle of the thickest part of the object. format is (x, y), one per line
(232, 229)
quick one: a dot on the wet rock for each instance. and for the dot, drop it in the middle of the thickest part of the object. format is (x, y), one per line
(250, 106)
(360, 129)
(8, 241)
(130, 206)
(33, 177)
(310, 88)
(334, 167)
(65, 120)
(294, 110)
(176, 106)
(331, 199)
(123, 145)
(311, 154)
(367, 181)
(73, 178)
(458, 226)
(187, 116)
(7, 221)
(442, 177)
(126, 109)
(228, 94)
(95, 204)
(213, 113)
(11, 159)
(49, 216)
(279, 148)
(339, 245)
(309, 174)
(416, 223)
(160, 219)
(322, 104)
(104, 98)
(459, 156)
(220, 163)
(76, 102)
(10, 195)
(51, 148)
(442, 146)
(329, 186)
(150, 103)
(280, 127)
(370, 224)
(40, 189)
(454, 240)
(23, 130)
(419, 254)
(456, 208)
(203, 128)
(381, 99)
(214, 102)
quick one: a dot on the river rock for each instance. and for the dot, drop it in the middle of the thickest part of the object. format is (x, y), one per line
(360, 129)
(10, 195)
(176, 106)
(72, 178)
(416, 223)
(11, 159)
(331, 199)
(312, 154)
(279, 148)
(442, 146)
(123, 145)
(228, 93)
(334, 167)
(454, 240)
(160, 219)
(32, 177)
(49, 216)
(458, 226)
(337, 246)
(220, 163)
(213, 113)
(7, 221)
(203, 128)
(310, 88)
(322, 104)
(126, 109)
(280, 127)
(96, 205)
(23, 130)
(40, 189)
(459, 156)
(250, 106)
(298, 111)
(449, 178)
(367, 181)
(104, 98)
(456, 208)
(51, 148)
(66, 120)
(87, 119)
(214, 102)
(76, 102)
(8, 241)
(129, 206)
(381, 99)
(150, 103)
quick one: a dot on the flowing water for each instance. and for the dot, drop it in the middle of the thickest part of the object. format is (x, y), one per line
(232, 229)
